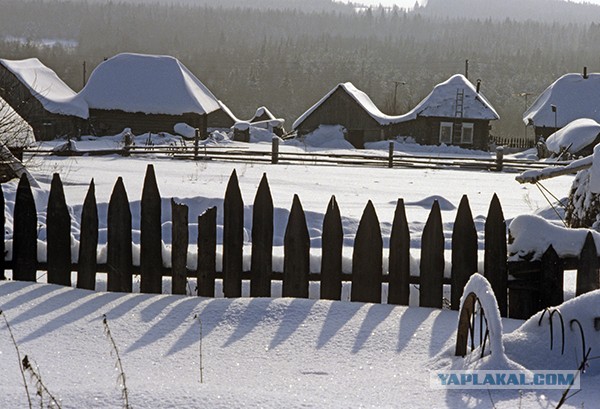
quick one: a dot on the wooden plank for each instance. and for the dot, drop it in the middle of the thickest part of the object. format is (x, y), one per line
(464, 251)
(88, 241)
(233, 238)
(331, 253)
(179, 247)
(207, 252)
(2, 236)
(119, 257)
(296, 253)
(261, 263)
(58, 235)
(24, 233)
(495, 257)
(150, 236)
(432, 260)
(367, 258)
(589, 267)
(399, 258)
(552, 278)
(524, 299)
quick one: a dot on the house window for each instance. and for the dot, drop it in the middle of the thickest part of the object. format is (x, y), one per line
(467, 133)
(446, 132)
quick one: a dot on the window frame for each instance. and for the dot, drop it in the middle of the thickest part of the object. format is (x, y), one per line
(468, 125)
(444, 125)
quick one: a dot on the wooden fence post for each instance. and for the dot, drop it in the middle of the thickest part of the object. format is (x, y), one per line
(24, 233)
(588, 268)
(151, 262)
(296, 253)
(367, 274)
(87, 261)
(464, 251)
(275, 150)
(399, 258)
(58, 235)
(332, 242)
(262, 241)
(233, 238)
(551, 280)
(179, 247)
(431, 289)
(391, 155)
(119, 257)
(2, 236)
(495, 261)
(207, 252)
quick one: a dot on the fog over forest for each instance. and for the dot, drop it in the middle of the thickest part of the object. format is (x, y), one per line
(286, 54)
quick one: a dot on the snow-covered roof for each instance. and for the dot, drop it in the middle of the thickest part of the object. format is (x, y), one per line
(573, 96)
(575, 136)
(54, 95)
(152, 84)
(360, 97)
(228, 111)
(263, 111)
(441, 102)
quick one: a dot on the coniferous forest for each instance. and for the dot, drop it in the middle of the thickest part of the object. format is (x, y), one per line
(288, 59)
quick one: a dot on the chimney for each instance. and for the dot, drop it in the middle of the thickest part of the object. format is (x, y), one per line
(585, 74)
(478, 85)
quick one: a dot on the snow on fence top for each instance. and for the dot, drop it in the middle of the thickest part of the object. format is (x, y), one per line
(575, 136)
(149, 84)
(573, 95)
(361, 99)
(441, 102)
(54, 95)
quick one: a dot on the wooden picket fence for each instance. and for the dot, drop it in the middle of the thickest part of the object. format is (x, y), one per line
(366, 277)
(518, 143)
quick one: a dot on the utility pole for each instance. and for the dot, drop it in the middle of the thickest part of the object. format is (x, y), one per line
(525, 95)
(467, 69)
(84, 74)
(396, 83)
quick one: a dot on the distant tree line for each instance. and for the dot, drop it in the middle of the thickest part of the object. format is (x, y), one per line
(288, 59)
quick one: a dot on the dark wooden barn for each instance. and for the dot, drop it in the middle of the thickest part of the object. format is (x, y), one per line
(147, 94)
(222, 118)
(36, 93)
(351, 108)
(454, 113)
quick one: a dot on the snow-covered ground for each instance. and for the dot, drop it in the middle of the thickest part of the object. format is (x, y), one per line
(271, 352)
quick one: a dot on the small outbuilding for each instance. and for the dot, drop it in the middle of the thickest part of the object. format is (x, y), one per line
(147, 93)
(572, 96)
(351, 108)
(41, 98)
(454, 113)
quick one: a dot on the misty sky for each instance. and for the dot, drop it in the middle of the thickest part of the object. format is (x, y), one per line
(410, 3)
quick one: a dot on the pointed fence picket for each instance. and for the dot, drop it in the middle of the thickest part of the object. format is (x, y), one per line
(535, 285)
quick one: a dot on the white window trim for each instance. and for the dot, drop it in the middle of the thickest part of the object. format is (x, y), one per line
(468, 125)
(446, 125)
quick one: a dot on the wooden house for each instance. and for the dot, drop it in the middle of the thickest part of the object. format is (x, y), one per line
(351, 108)
(222, 118)
(572, 96)
(39, 96)
(146, 94)
(454, 113)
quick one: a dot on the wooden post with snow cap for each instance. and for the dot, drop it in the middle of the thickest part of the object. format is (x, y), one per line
(331, 253)
(464, 251)
(207, 250)
(296, 253)
(87, 261)
(499, 158)
(432, 264)
(151, 262)
(119, 256)
(275, 150)
(399, 258)
(391, 155)
(588, 268)
(261, 263)
(58, 228)
(24, 233)
(367, 275)
(233, 238)
(179, 247)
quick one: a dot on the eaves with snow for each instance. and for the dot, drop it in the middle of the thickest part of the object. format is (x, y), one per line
(43, 83)
(441, 102)
(151, 84)
(574, 96)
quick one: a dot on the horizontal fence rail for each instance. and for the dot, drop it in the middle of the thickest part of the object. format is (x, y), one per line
(366, 279)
